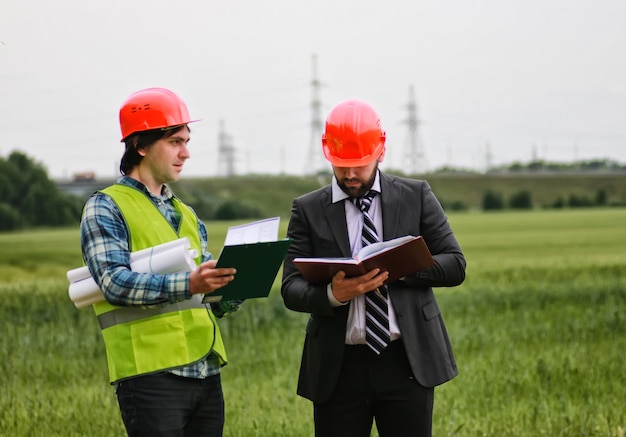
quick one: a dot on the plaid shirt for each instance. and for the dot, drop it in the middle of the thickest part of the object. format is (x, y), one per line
(104, 242)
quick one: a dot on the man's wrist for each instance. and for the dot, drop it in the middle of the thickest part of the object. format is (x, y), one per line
(331, 297)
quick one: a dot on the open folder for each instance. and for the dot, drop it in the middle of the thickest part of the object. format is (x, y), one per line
(252, 249)
(257, 265)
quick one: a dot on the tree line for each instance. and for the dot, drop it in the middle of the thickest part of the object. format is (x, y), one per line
(542, 166)
(28, 198)
(494, 200)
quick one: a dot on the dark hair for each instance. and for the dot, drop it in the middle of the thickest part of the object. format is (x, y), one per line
(143, 140)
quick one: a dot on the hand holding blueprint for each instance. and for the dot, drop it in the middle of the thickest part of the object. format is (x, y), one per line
(171, 257)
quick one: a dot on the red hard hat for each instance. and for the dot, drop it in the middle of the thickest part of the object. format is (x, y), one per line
(353, 136)
(152, 108)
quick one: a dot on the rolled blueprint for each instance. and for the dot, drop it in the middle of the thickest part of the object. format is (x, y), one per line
(171, 257)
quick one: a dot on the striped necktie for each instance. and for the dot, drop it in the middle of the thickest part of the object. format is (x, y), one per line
(377, 334)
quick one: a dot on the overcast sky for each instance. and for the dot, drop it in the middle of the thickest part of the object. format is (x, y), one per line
(494, 80)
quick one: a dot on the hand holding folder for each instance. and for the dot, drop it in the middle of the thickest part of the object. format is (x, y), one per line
(257, 260)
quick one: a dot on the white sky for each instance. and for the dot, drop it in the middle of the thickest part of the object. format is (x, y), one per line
(519, 79)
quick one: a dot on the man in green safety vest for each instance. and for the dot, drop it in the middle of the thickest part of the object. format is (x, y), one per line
(163, 345)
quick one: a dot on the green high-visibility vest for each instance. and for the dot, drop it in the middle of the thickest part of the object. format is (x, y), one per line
(140, 341)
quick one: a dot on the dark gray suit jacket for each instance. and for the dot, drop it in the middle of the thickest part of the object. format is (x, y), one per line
(318, 229)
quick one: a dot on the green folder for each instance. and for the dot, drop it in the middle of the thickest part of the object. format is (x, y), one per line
(257, 265)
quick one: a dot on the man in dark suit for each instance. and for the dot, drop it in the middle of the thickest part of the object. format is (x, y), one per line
(350, 380)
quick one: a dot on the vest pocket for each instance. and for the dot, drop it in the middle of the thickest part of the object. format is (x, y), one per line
(160, 343)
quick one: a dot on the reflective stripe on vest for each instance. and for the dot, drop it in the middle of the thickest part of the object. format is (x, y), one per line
(131, 314)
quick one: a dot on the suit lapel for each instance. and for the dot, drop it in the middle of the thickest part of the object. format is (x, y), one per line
(390, 197)
(336, 216)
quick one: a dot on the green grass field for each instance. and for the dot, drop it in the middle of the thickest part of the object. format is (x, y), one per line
(539, 332)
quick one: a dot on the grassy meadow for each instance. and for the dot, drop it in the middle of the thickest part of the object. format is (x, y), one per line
(538, 327)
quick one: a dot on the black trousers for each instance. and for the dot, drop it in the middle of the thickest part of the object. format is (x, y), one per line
(164, 404)
(376, 387)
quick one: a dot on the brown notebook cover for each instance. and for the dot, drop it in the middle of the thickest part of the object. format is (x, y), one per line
(400, 257)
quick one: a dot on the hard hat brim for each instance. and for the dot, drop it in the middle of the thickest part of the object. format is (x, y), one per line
(164, 127)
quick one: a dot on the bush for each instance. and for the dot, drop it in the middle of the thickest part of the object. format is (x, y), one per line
(455, 205)
(234, 209)
(492, 201)
(205, 210)
(521, 200)
(33, 198)
(9, 217)
(602, 198)
(559, 203)
(576, 201)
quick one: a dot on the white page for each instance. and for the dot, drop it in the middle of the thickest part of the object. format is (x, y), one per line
(255, 232)
(383, 246)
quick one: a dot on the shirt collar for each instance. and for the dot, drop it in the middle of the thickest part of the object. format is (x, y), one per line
(166, 192)
(338, 194)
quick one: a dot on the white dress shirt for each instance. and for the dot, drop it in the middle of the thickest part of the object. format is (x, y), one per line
(355, 329)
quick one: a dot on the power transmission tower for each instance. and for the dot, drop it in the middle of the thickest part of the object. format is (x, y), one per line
(414, 151)
(314, 162)
(488, 157)
(226, 152)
